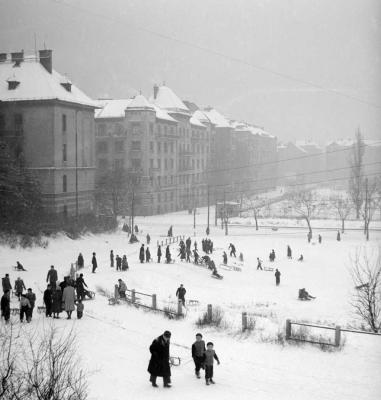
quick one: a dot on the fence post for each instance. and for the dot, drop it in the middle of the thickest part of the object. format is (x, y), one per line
(244, 321)
(179, 308)
(133, 296)
(154, 302)
(288, 329)
(210, 312)
(337, 335)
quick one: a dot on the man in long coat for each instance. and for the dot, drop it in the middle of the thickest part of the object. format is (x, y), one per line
(141, 254)
(52, 277)
(94, 262)
(68, 297)
(159, 362)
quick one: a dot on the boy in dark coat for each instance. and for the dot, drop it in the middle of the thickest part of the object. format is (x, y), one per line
(19, 287)
(118, 263)
(141, 254)
(159, 362)
(158, 254)
(48, 300)
(32, 300)
(198, 350)
(52, 277)
(94, 262)
(111, 258)
(180, 294)
(5, 306)
(6, 282)
(277, 277)
(209, 357)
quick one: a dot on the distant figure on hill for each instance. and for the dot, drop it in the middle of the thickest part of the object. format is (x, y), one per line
(338, 236)
(168, 254)
(80, 261)
(148, 237)
(180, 293)
(319, 238)
(118, 262)
(52, 277)
(141, 254)
(224, 258)
(301, 258)
(6, 306)
(309, 236)
(277, 277)
(259, 265)
(159, 254)
(289, 252)
(170, 231)
(272, 256)
(148, 255)
(232, 250)
(48, 301)
(304, 295)
(19, 267)
(124, 263)
(111, 258)
(6, 282)
(94, 263)
(19, 287)
(240, 258)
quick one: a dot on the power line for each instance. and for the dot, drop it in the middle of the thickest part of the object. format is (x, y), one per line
(220, 54)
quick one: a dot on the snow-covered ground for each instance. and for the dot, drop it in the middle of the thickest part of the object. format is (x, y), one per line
(114, 340)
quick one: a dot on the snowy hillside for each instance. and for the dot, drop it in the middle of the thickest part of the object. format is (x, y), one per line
(114, 340)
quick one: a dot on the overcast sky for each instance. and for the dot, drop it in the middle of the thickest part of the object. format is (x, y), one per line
(220, 53)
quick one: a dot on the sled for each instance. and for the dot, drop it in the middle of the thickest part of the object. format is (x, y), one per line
(230, 267)
(268, 269)
(18, 270)
(217, 277)
(41, 309)
(175, 361)
(92, 295)
(193, 302)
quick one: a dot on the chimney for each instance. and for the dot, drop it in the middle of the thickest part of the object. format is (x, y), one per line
(3, 57)
(155, 91)
(46, 59)
(17, 57)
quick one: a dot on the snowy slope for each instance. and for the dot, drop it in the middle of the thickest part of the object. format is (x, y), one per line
(114, 340)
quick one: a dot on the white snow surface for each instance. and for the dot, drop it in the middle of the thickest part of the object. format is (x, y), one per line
(113, 341)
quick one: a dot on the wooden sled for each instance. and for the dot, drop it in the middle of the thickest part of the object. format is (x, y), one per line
(14, 267)
(217, 277)
(193, 302)
(175, 361)
(230, 267)
(41, 309)
(268, 269)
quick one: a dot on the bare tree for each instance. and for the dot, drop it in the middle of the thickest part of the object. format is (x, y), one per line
(40, 366)
(255, 205)
(370, 204)
(304, 204)
(366, 276)
(343, 206)
(356, 179)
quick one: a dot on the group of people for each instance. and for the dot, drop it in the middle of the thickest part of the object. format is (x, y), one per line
(159, 364)
(120, 262)
(144, 254)
(207, 246)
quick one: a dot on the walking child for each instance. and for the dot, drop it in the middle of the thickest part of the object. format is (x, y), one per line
(209, 357)
(198, 350)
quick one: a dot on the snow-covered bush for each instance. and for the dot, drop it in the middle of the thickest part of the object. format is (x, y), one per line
(216, 318)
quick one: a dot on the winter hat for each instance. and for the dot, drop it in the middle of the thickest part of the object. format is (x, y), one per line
(210, 344)
(198, 334)
(167, 334)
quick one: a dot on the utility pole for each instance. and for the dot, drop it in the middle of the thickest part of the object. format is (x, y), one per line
(208, 211)
(366, 210)
(76, 165)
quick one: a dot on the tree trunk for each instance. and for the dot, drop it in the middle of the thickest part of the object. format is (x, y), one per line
(256, 221)
(342, 225)
(309, 224)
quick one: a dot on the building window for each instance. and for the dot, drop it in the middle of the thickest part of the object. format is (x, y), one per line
(64, 183)
(151, 163)
(136, 145)
(159, 163)
(165, 147)
(165, 164)
(171, 147)
(119, 146)
(159, 147)
(102, 164)
(151, 147)
(171, 196)
(136, 163)
(151, 128)
(136, 128)
(172, 163)
(64, 152)
(102, 130)
(64, 123)
(102, 147)
(118, 164)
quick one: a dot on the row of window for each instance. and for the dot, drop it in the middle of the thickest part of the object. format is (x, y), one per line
(17, 123)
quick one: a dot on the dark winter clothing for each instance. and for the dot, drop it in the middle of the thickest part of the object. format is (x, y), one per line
(148, 238)
(94, 263)
(159, 362)
(158, 254)
(52, 277)
(80, 285)
(289, 252)
(338, 237)
(118, 263)
(32, 300)
(6, 282)
(141, 254)
(148, 255)
(111, 258)
(57, 301)
(180, 293)
(5, 307)
(24, 308)
(80, 308)
(19, 287)
(168, 255)
(48, 301)
(198, 350)
(232, 250)
(80, 261)
(209, 357)
(259, 266)
(124, 263)
(277, 277)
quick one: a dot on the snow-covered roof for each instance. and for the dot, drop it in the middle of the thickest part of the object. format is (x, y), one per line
(195, 121)
(349, 142)
(36, 83)
(201, 116)
(112, 108)
(139, 102)
(162, 114)
(168, 100)
(216, 118)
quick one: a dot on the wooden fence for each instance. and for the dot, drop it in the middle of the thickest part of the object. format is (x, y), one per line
(170, 240)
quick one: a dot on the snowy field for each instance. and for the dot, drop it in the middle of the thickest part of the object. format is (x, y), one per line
(113, 340)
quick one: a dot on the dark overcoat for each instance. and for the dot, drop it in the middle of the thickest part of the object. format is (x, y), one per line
(159, 362)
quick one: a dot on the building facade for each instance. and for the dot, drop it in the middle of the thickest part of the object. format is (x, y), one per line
(49, 122)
